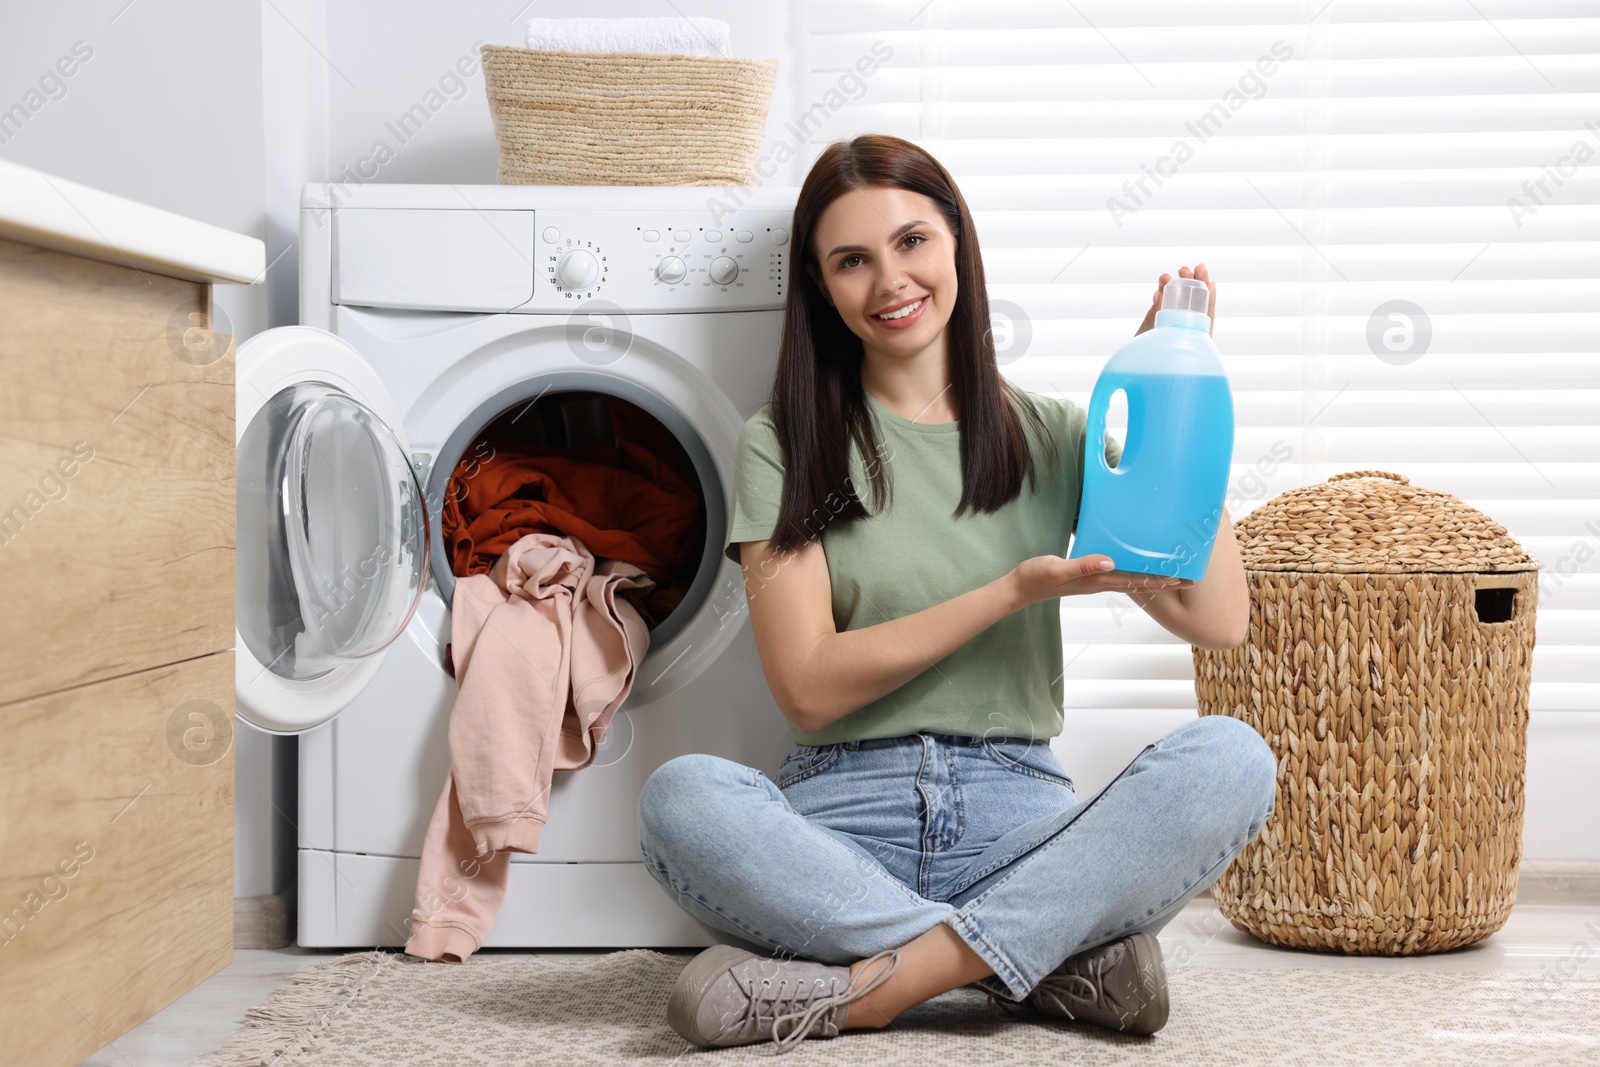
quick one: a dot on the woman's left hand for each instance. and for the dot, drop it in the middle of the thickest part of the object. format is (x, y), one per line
(1183, 272)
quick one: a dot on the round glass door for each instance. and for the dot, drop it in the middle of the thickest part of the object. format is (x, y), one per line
(333, 533)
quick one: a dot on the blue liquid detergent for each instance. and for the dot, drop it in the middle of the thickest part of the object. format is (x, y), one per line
(1158, 510)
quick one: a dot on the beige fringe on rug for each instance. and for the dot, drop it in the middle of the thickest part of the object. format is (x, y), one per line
(296, 1014)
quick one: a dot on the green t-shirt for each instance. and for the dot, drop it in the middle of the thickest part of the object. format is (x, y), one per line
(1004, 682)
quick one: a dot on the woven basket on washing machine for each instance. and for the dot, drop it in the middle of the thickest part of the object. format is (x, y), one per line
(1391, 634)
(626, 118)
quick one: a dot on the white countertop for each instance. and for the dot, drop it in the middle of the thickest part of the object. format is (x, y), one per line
(41, 209)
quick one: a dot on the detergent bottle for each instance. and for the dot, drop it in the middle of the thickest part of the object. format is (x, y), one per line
(1158, 510)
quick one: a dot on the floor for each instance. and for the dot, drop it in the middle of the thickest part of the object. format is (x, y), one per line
(1555, 931)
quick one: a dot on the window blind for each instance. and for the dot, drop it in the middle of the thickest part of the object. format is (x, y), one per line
(1398, 201)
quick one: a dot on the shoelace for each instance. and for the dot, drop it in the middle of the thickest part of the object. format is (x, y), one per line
(815, 1010)
(1062, 985)
(763, 1001)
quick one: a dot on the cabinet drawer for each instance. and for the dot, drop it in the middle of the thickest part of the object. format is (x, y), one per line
(116, 473)
(116, 894)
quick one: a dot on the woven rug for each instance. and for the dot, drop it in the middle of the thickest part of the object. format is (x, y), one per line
(388, 1009)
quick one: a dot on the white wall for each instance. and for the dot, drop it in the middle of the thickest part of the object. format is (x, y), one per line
(167, 109)
(222, 110)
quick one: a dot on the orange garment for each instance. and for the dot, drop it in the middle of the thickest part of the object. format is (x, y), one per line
(633, 501)
(545, 653)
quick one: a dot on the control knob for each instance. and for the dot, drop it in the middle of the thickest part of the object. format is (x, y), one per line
(578, 269)
(671, 270)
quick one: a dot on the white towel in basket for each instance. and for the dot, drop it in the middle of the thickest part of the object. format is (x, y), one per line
(691, 35)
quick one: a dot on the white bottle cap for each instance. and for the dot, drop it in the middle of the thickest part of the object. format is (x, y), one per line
(1186, 294)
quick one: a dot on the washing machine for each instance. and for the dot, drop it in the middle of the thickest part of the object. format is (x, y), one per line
(429, 315)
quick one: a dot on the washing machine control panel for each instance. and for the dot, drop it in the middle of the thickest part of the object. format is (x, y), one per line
(660, 261)
(682, 255)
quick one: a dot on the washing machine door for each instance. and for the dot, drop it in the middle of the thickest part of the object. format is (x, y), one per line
(332, 528)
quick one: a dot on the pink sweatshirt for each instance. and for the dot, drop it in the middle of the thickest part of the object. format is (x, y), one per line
(542, 665)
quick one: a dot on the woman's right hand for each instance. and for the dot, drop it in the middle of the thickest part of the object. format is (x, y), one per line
(1047, 577)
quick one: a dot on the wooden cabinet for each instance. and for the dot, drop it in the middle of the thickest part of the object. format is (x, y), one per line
(116, 661)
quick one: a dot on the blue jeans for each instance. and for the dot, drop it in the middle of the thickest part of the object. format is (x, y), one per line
(860, 846)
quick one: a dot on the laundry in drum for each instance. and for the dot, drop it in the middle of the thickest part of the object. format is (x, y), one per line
(588, 465)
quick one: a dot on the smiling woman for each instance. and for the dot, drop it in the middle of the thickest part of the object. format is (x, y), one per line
(885, 239)
(916, 840)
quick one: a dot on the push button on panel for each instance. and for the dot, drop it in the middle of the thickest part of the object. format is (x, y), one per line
(713, 235)
(680, 236)
(551, 235)
(780, 236)
(652, 235)
(744, 237)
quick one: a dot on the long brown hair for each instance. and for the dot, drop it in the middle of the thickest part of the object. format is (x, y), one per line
(818, 401)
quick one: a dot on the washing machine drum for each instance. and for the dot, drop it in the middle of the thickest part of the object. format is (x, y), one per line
(568, 409)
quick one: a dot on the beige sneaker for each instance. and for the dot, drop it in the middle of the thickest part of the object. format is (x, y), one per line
(731, 996)
(1120, 985)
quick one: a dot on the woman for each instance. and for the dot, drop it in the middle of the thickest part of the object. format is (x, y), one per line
(922, 835)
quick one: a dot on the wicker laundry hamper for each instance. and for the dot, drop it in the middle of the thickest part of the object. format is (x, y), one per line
(1391, 633)
(626, 118)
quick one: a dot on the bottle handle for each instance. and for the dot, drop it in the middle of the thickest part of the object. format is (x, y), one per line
(1094, 435)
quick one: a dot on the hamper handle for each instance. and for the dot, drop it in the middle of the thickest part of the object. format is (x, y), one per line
(1401, 478)
(1493, 599)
